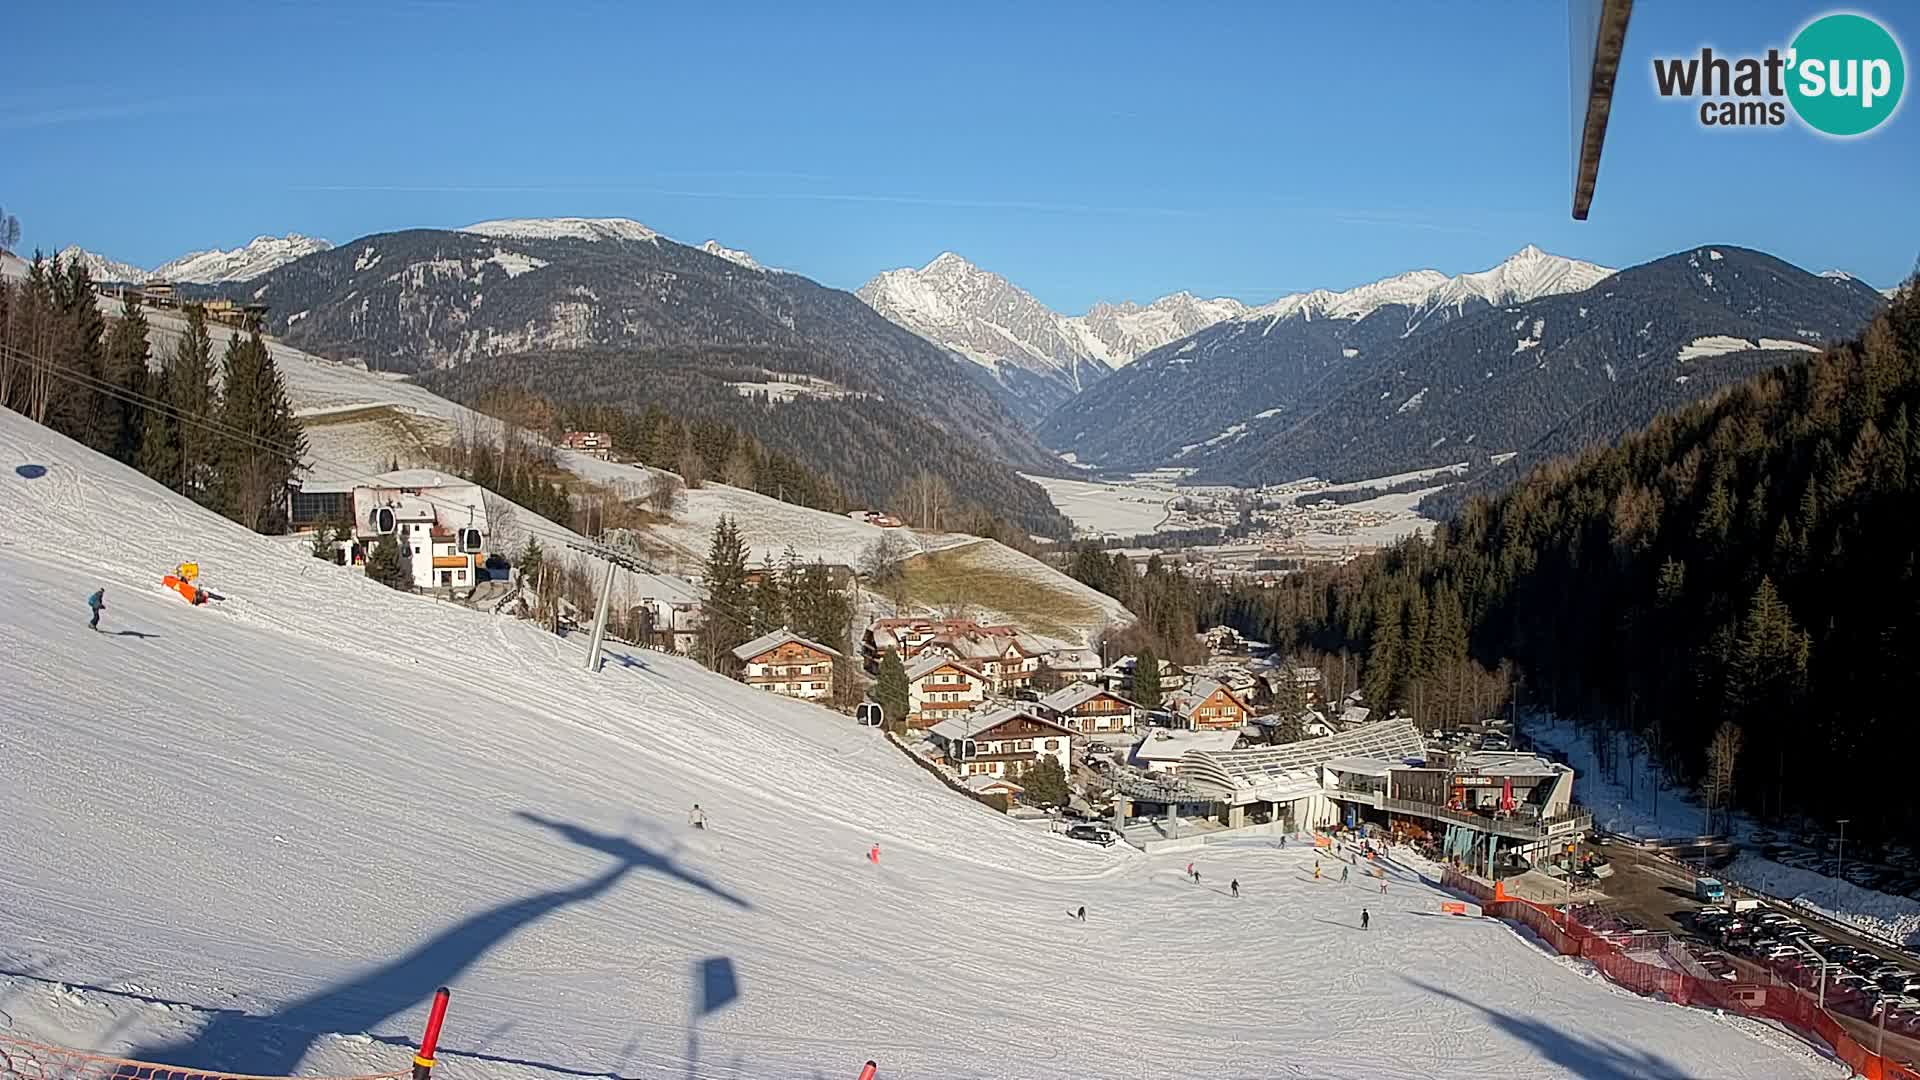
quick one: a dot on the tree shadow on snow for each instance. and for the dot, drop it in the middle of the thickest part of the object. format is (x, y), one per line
(274, 1044)
(1587, 1058)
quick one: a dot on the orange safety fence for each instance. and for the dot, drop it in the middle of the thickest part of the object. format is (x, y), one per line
(37, 1061)
(1785, 1003)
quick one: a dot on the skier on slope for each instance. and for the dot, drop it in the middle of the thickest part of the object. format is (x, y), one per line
(1343, 874)
(697, 817)
(1364, 918)
(1081, 914)
(98, 603)
(1235, 886)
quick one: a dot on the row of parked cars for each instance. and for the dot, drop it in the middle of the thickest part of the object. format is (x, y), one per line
(1894, 869)
(1858, 982)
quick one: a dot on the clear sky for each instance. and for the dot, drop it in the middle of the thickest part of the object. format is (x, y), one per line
(1085, 150)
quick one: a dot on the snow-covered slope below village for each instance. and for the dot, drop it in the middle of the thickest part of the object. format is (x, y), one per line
(238, 836)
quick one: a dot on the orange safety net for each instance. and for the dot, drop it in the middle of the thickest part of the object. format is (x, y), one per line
(1788, 1003)
(37, 1061)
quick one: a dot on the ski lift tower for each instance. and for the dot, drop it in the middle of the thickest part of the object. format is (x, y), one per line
(615, 560)
(1596, 35)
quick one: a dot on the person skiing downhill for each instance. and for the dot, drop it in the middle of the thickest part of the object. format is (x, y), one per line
(1081, 914)
(697, 817)
(1235, 886)
(98, 603)
(1364, 918)
(1343, 874)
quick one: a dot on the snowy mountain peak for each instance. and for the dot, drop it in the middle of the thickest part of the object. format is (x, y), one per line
(732, 255)
(1525, 275)
(565, 228)
(256, 257)
(102, 268)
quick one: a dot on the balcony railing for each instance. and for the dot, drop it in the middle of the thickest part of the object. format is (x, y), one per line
(1518, 827)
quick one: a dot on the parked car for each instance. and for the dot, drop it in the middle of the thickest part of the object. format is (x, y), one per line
(1093, 834)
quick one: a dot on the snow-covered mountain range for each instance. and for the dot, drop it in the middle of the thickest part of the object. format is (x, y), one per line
(244, 263)
(1527, 274)
(1037, 356)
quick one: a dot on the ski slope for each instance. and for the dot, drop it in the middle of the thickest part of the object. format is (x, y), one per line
(255, 836)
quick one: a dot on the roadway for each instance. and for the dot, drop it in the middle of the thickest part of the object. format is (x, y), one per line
(1659, 894)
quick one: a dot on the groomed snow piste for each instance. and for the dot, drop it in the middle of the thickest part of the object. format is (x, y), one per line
(252, 834)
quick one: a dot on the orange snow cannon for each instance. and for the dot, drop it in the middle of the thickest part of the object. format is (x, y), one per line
(185, 588)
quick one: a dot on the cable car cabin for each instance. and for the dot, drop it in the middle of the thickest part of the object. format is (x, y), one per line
(469, 541)
(381, 521)
(870, 714)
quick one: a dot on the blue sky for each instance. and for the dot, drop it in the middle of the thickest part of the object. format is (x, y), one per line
(1086, 151)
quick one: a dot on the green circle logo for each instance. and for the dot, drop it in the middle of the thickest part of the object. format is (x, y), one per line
(1846, 76)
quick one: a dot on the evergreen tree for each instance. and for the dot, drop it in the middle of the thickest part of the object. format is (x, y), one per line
(891, 690)
(769, 609)
(532, 558)
(128, 354)
(159, 455)
(387, 564)
(261, 442)
(728, 610)
(189, 384)
(1146, 679)
(322, 543)
(1045, 783)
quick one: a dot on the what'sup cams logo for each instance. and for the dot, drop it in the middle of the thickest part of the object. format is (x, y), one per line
(1842, 76)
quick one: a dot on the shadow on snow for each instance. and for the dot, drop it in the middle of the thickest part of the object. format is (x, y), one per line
(274, 1044)
(1587, 1058)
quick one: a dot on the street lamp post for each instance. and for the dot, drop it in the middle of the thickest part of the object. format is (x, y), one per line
(1841, 867)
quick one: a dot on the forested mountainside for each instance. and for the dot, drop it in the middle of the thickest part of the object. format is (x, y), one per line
(422, 299)
(1388, 378)
(863, 445)
(1745, 564)
(1598, 363)
(1184, 402)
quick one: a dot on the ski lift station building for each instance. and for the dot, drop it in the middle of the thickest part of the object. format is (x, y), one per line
(440, 521)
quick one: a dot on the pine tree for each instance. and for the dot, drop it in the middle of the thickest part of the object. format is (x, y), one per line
(387, 564)
(1146, 679)
(769, 608)
(891, 690)
(128, 355)
(159, 455)
(261, 443)
(728, 615)
(1045, 783)
(189, 386)
(322, 543)
(531, 560)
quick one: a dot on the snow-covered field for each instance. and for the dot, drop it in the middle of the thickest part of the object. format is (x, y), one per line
(251, 835)
(1116, 509)
(1635, 809)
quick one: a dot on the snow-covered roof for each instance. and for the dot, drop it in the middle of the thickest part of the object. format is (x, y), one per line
(981, 782)
(965, 727)
(1188, 701)
(774, 640)
(1354, 715)
(1078, 694)
(927, 665)
(1074, 660)
(1271, 771)
(1361, 766)
(417, 478)
(1163, 744)
(1501, 763)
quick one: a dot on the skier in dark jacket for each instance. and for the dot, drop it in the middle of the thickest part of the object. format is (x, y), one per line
(1081, 914)
(1364, 918)
(1235, 886)
(98, 602)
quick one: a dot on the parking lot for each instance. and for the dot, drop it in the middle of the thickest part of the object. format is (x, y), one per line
(1773, 945)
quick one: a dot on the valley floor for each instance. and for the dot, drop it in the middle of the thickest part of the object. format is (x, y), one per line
(256, 835)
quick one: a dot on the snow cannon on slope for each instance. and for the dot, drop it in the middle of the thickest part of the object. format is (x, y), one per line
(184, 580)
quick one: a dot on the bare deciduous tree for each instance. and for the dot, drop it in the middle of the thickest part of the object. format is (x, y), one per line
(1723, 756)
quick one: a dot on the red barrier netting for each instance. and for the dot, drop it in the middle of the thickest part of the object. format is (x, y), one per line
(1784, 1003)
(36, 1061)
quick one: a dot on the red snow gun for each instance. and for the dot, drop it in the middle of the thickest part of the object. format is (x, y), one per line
(870, 1071)
(187, 590)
